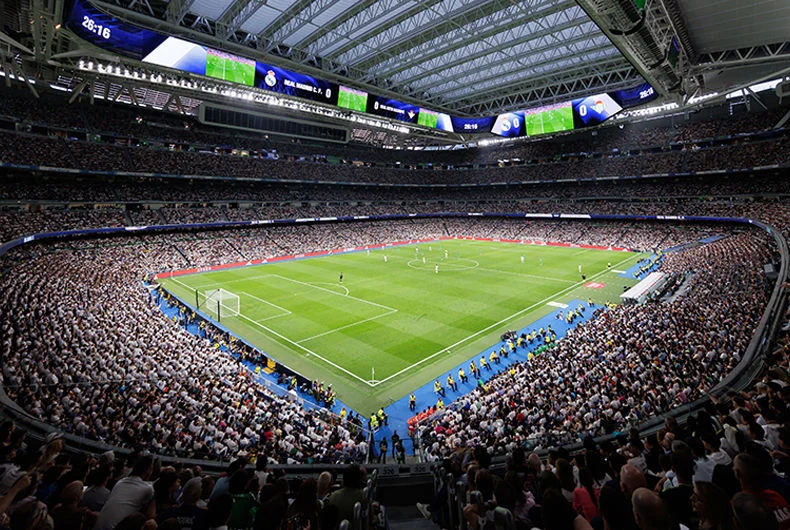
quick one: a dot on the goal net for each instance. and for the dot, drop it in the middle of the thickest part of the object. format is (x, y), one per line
(219, 303)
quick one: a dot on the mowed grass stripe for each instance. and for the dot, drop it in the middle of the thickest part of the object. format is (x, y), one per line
(395, 316)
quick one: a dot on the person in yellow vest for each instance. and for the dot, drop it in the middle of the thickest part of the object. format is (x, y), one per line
(519, 341)
(473, 369)
(438, 388)
(439, 404)
(451, 383)
(383, 419)
(511, 346)
(494, 358)
(484, 364)
(343, 414)
(462, 375)
(412, 402)
(374, 421)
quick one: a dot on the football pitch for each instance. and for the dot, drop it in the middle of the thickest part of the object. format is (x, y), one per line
(230, 70)
(352, 100)
(404, 314)
(555, 120)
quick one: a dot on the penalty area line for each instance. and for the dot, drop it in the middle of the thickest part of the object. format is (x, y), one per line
(347, 326)
(311, 352)
(295, 344)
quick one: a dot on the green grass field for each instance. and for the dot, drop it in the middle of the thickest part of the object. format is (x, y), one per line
(352, 100)
(399, 317)
(555, 120)
(427, 118)
(227, 69)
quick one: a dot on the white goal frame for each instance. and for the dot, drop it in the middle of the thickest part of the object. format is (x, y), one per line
(219, 303)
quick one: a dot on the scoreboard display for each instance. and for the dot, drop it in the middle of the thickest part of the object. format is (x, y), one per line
(594, 110)
(392, 108)
(108, 32)
(270, 77)
(117, 36)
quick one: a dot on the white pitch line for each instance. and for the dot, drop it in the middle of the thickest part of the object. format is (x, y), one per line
(347, 326)
(547, 278)
(335, 293)
(267, 302)
(296, 344)
(311, 352)
(334, 285)
(492, 326)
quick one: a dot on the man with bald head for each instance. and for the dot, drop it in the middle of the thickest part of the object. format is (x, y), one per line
(631, 479)
(649, 511)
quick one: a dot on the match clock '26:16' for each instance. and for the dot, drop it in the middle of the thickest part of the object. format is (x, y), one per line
(91, 25)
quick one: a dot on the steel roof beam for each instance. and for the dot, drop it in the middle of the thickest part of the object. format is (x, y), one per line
(482, 58)
(505, 74)
(287, 17)
(371, 17)
(347, 15)
(499, 73)
(235, 15)
(550, 94)
(436, 48)
(297, 20)
(427, 25)
(177, 10)
(755, 55)
(579, 72)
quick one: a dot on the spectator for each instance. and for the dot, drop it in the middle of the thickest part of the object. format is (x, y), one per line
(130, 495)
(649, 512)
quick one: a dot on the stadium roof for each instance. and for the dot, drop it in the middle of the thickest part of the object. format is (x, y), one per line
(481, 57)
(470, 56)
(476, 57)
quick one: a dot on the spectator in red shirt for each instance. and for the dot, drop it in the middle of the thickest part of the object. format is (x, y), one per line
(747, 471)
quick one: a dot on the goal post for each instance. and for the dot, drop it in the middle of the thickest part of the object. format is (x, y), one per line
(218, 303)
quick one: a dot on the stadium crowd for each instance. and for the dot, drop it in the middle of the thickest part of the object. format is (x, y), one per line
(45, 486)
(630, 363)
(26, 149)
(83, 299)
(86, 349)
(118, 123)
(725, 468)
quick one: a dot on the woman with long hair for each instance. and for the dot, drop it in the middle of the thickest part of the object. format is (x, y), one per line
(711, 504)
(304, 510)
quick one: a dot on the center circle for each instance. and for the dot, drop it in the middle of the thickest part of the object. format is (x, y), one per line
(453, 265)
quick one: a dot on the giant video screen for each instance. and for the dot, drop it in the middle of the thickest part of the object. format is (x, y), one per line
(107, 32)
(549, 119)
(392, 109)
(196, 59)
